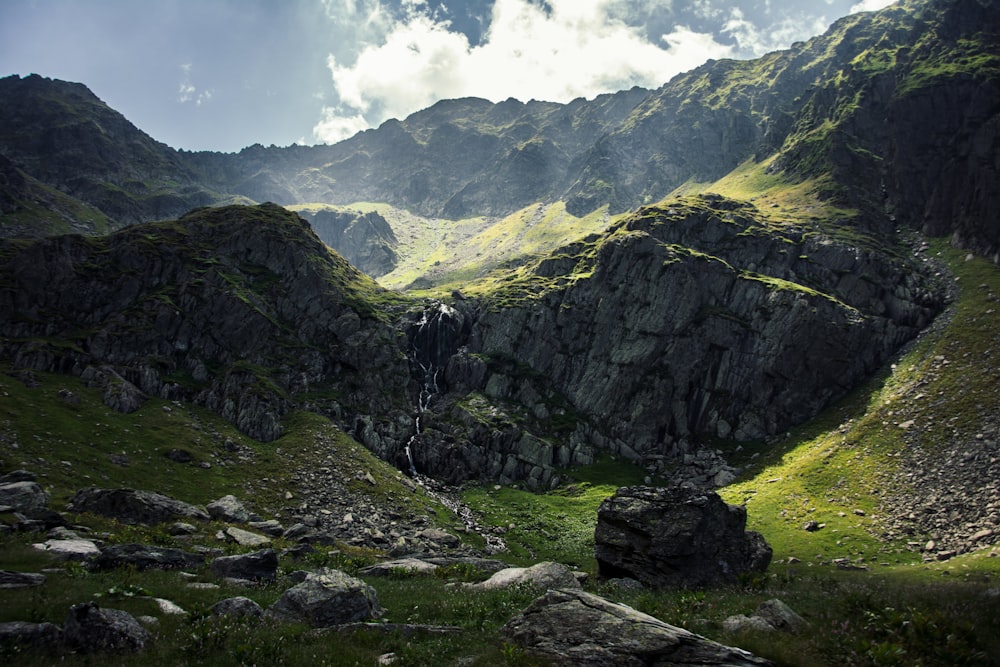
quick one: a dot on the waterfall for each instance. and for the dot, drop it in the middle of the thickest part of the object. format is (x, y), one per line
(434, 338)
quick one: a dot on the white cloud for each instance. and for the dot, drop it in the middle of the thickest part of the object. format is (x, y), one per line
(870, 5)
(187, 92)
(753, 40)
(578, 48)
(336, 125)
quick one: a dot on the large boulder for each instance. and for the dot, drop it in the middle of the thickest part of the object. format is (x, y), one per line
(676, 537)
(228, 509)
(578, 629)
(327, 598)
(15, 635)
(145, 557)
(88, 629)
(259, 565)
(133, 506)
(23, 496)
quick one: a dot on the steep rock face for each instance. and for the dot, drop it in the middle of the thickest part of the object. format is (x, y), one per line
(698, 320)
(241, 309)
(364, 239)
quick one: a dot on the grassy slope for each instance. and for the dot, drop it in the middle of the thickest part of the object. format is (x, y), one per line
(443, 255)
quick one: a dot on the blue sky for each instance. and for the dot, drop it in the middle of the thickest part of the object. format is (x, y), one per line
(224, 74)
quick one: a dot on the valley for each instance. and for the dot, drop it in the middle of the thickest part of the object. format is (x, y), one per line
(433, 350)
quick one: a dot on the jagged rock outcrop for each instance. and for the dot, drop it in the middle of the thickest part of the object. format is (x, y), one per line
(259, 565)
(145, 557)
(240, 309)
(132, 506)
(364, 239)
(574, 628)
(676, 537)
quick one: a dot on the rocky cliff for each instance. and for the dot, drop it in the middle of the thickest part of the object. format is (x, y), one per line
(364, 239)
(240, 309)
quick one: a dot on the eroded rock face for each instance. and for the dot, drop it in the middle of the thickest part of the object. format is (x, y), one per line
(364, 239)
(578, 629)
(675, 537)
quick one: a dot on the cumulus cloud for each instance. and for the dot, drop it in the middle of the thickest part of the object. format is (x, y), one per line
(564, 50)
(753, 40)
(870, 5)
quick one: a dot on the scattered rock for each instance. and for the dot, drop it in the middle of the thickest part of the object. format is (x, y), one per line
(261, 564)
(440, 537)
(238, 607)
(145, 557)
(740, 623)
(20, 579)
(578, 629)
(541, 575)
(270, 527)
(179, 455)
(780, 616)
(18, 476)
(327, 598)
(182, 528)
(133, 506)
(89, 628)
(675, 537)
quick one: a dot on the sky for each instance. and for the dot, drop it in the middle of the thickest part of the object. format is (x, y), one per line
(224, 74)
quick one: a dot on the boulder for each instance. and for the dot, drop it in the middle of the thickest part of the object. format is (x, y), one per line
(261, 564)
(15, 634)
(675, 537)
(402, 565)
(238, 607)
(245, 538)
(780, 616)
(327, 598)
(23, 496)
(133, 506)
(228, 509)
(69, 549)
(541, 575)
(18, 476)
(578, 629)
(145, 557)
(89, 628)
(20, 579)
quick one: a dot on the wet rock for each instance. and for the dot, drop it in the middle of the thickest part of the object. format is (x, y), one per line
(578, 629)
(89, 628)
(133, 506)
(327, 598)
(676, 537)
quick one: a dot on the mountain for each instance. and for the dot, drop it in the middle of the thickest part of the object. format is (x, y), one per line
(783, 270)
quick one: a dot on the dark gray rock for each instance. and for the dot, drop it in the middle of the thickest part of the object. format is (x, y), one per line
(675, 537)
(578, 629)
(133, 506)
(24, 496)
(326, 598)
(238, 607)
(145, 557)
(17, 634)
(20, 579)
(89, 628)
(18, 476)
(261, 564)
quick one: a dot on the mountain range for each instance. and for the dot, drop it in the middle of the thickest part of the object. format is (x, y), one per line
(720, 258)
